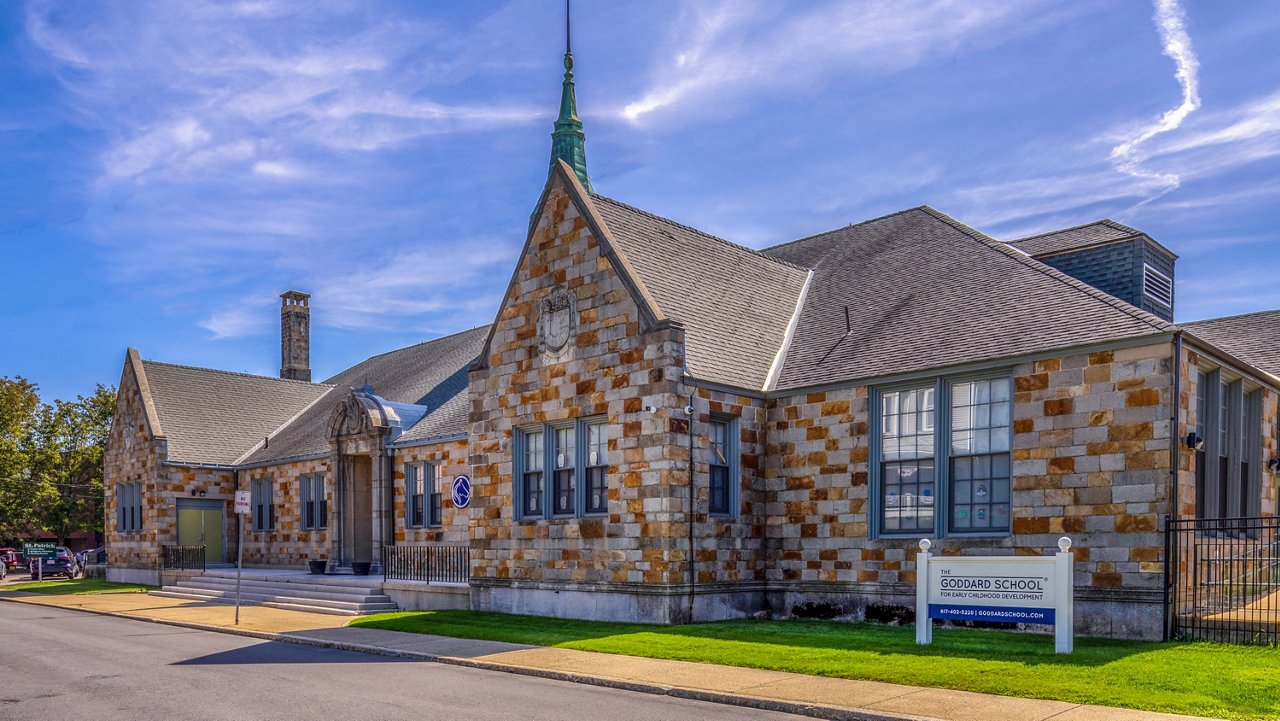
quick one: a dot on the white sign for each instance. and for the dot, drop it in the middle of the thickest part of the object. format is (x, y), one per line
(1011, 589)
(242, 502)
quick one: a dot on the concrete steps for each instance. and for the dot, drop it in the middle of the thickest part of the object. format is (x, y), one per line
(336, 595)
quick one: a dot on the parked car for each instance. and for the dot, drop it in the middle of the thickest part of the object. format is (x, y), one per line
(63, 563)
(11, 559)
(93, 555)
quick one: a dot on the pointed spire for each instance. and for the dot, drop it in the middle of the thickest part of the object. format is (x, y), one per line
(568, 142)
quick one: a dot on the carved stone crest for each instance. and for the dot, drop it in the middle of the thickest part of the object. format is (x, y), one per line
(558, 313)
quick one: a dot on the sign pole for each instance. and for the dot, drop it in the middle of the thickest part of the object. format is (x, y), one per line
(924, 624)
(242, 508)
(1064, 628)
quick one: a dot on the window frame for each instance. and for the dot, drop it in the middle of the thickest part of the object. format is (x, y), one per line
(601, 464)
(262, 491)
(129, 507)
(942, 456)
(580, 434)
(733, 459)
(1232, 431)
(313, 502)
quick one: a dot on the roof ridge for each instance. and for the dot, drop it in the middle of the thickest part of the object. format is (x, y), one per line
(690, 228)
(234, 373)
(1106, 298)
(1230, 317)
(886, 216)
(1101, 221)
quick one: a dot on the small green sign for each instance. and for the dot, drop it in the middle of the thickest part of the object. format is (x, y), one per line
(40, 549)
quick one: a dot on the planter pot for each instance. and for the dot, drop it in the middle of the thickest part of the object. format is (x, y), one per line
(361, 568)
(317, 567)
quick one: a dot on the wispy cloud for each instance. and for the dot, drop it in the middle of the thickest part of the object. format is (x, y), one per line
(721, 52)
(1171, 23)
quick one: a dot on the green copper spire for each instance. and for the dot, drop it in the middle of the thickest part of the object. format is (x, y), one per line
(568, 142)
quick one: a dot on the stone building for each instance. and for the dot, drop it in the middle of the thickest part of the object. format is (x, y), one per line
(663, 425)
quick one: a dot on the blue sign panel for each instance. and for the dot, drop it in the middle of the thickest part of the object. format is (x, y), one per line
(1003, 614)
(461, 492)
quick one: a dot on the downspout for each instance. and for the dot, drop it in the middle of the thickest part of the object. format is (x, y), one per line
(1175, 456)
(693, 575)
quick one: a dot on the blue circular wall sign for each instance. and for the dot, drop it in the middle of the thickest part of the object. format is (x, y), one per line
(461, 492)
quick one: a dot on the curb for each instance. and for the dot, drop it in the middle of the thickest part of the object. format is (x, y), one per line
(798, 708)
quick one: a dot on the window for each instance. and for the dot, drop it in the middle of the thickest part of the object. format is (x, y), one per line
(1228, 462)
(597, 469)
(432, 481)
(723, 465)
(980, 460)
(315, 509)
(571, 452)
(263, 502)
(958, 461)
(907, 461)
(422, 495)
(531, 475)
(129, 506)
(564, 496)
(1157, 286)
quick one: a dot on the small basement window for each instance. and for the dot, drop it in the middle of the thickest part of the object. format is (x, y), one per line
(1157, 286)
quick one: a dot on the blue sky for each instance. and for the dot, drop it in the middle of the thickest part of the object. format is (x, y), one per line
(170, 167)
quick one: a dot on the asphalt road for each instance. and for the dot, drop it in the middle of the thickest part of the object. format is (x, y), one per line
(60, 664)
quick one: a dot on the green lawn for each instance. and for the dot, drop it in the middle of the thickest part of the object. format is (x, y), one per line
(1191, 678)
(63, 587)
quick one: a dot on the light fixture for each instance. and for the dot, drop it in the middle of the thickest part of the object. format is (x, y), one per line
(1194, 441)
(193, 493)
(1274, 464)
(202, 494)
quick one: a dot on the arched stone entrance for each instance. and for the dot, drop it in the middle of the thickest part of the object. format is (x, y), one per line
(358, 433)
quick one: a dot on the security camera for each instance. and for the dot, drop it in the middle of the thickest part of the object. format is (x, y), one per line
(688, 410)
(650, 409)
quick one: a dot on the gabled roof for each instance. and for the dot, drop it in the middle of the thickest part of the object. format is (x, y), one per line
(1252, 337)
(431, 374)
(925, 291)
(212, 417)
(734, 303)
(1099, 232)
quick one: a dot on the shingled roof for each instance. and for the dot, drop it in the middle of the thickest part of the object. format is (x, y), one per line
(735, 303)
(431, 374)
(1252, 337)
(1081, 236)
(925, 291)
(213, 417)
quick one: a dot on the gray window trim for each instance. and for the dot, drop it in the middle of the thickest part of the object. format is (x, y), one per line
(312, 493)
(546, 511)
(941, 456)
(262, 490)
(733, 455)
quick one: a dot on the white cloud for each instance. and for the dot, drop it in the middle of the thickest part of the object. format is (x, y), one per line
(1171, 23)
(725, 50)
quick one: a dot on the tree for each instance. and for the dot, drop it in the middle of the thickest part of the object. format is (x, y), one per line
(19, 403)
(66, 463)
(51, 460)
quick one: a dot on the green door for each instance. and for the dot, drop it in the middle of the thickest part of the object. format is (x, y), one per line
(200, 524)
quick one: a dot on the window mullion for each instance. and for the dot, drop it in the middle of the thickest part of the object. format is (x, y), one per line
(942, 459)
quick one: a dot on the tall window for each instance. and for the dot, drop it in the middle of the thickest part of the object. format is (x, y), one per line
(315, 509)
(422, 495)
(565, 460)
(1228, 463)
(722, 465)
(907, 460)
(597, 469)
(531, 474)
(958, 461)
(262, 499)
(570, 453)
(432, 482)
(980, 460)
(129, 506)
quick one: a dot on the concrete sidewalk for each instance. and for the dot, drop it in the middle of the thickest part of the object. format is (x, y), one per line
(814, 696)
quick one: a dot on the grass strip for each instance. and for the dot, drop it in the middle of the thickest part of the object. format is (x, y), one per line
(65, 587)
(1203, 679)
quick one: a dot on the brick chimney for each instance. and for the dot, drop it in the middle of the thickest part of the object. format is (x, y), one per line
(295, 336)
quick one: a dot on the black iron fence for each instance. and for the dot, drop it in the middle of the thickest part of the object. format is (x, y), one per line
(182, 558)
(1223, 580)
(441, 564)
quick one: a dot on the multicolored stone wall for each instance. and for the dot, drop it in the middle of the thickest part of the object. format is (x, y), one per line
(611, 368)
(132, 455)
(288, 544)
(451, 461)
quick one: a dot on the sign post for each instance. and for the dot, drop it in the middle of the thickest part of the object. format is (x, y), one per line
(1014, 589)
(40, 550)
(243, 506)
